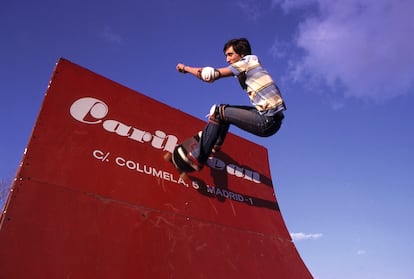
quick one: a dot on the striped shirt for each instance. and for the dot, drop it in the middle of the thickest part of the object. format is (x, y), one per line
(259, 85)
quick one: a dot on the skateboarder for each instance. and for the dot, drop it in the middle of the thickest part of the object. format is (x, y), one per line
(263, 118)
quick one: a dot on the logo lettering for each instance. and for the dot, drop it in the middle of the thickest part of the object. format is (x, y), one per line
(93, 111)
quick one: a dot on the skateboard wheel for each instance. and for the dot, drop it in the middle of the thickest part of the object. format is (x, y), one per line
(168, 156)
(184, 175)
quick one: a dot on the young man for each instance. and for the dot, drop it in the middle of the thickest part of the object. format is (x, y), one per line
(263, 119)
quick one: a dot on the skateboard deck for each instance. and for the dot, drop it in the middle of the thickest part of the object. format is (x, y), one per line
(179, 156)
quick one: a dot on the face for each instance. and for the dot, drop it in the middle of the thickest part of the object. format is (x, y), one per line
(231, 55)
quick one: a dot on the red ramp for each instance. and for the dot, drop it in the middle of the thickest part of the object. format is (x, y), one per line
(93, 197)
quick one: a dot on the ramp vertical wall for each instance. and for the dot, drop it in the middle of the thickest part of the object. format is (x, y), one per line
(94, 198)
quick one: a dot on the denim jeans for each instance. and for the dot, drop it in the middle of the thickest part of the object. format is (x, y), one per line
(244, 117)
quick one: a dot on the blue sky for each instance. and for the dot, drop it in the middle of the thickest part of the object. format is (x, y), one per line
(343, 162)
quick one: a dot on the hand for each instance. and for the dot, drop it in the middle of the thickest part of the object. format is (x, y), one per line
(180, 68)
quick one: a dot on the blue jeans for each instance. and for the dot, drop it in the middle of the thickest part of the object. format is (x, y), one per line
(244, 117)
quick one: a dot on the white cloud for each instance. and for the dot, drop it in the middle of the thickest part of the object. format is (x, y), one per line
(302, 236)
(362, 48)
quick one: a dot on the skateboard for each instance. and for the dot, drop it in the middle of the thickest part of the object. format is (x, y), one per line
(180, 159)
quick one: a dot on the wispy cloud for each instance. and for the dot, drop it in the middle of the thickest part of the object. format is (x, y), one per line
(361, 252)
(288, 5)
(303, 236)
(361, 48)
(280, 49)
(251, 9)
(109, 35)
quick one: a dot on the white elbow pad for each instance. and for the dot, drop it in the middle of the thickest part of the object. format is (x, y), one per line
(209, 74)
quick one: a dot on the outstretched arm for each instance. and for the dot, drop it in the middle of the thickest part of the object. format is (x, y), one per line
(207, 74)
